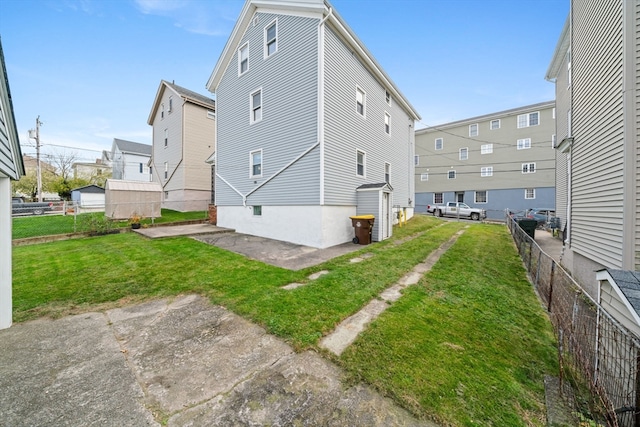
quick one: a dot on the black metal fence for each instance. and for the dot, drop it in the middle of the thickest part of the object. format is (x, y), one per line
(593, 348)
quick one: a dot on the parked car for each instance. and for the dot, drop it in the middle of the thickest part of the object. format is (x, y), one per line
(518, 215)
(20, 207)
(541, 215)
(459, 209)
(431, 209)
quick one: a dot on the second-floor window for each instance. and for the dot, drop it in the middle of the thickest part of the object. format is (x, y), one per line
(524, 144)
(162, 111)
(166, 137)
(495, 124)
(271, 39)
(243, 59)
(360, 99)
(486, 149)
(387, 173)
(439, 143)
(464, 153)
(486, 171)
(528, 168)
(451, 175)
(256, 106)
(424, 176)
(166, 170)
(473, 130)
(387, 123)
(416, 160)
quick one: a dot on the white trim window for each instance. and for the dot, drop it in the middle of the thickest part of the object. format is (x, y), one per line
(361, 98)
(439, 143)
(257, 210)
(416, 160)
(387, 123)
(361, 159)
(473, 130)
(166, 170)
(528, 168)
(494, 124)
(255, 164)
(463, 154)
(524, 144)
(438, 198)
(387, 97)
(451, 174)
(553, 141)
(170, 109)
(161, 111)
(529, 193)
(486, 171)
(481, 196)
(486, 149)
(211, 115)
(166, 137)
(387, 173)
(528, 119)
(255, 101)
(271, 38)
(243, 59)
(424, 176)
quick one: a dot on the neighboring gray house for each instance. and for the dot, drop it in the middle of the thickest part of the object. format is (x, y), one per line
(11, 168)
(499, 161)
(89, 197)
(305, 116)
(595, 68)
(130, 160)
(184, 129)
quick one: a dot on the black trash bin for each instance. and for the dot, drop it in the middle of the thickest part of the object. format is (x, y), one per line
(362, 224)
(529, 226)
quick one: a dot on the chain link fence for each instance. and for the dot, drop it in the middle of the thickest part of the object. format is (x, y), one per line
(594, 350)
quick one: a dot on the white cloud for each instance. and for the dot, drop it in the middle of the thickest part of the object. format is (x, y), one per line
(211, 18)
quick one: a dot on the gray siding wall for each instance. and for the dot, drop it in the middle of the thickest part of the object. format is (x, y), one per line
(346, 131)
(597, 166)
(289, 82)
(172, 153)
(7, 165)
(637, 142)
(563, 105)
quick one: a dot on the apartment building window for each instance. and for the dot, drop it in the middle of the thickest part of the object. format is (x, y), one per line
(473, 130)
(495, 124)
(486, 149)
(270, 39)
(256, 106)
(524, 144)
(257, 210)
(360, 100)
(161, 111)
(166, 170)
(387, 97)
(480, 196)
(243, 59)
(387, 173)
(211, 115)
(553, 141)
(439, 143)
(424, 176)
(528, 168)
(166, 137)
(360, 159)
(451, 175)
(387, 123)
(529, 193)
(464, 154)
(529, 119)
(416, 160)
(141, 167)
(486, 171)
(170, 105)
(437, 198)
(255, 158)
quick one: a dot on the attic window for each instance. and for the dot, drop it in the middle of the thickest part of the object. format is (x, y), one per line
(270, 39)
(162, 111)
(170, 104)
(243, 59)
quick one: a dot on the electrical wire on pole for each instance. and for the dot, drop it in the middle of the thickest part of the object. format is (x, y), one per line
(38, 168)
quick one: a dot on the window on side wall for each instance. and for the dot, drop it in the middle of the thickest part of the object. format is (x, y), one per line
(271, 39)
(486, 171)
(360, 100)
(451, 175)
(424, 176)
(524, 144)
(166, 170)
(416, 160)
(437, 198)
(486, 149)
(360, 163)
(494, 124)
(529, 119)
(387, 123)
(528, 168)
(481, 196)
(255, 159)
(439, 143)
(473, 130)
(243, 59)
(257, 210)
(256, 106)
(387, 173)
(529, 193)
(166, 137)
(464, 154)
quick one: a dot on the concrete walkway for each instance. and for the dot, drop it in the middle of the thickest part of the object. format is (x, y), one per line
(178, 363)
(349, 329)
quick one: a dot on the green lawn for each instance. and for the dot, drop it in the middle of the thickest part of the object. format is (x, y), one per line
(46, 225)
(469, 345)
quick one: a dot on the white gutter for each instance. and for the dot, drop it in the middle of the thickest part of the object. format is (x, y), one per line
(321, 100)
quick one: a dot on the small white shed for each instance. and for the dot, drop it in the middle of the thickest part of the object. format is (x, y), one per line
(126, 198)
(376, 199)
(89, 196)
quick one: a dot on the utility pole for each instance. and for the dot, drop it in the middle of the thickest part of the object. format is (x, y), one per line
(38, 169)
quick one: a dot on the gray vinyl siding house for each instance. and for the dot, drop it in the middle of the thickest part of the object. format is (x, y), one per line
(497, 162)
(130, 160)
(595, 68)
(11, 168)
(292, 144)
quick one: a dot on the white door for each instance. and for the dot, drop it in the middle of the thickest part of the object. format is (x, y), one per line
(386, 220)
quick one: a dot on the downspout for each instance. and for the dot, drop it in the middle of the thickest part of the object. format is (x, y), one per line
(321, 100)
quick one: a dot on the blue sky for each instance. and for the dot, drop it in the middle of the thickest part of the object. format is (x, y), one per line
(91, 68)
